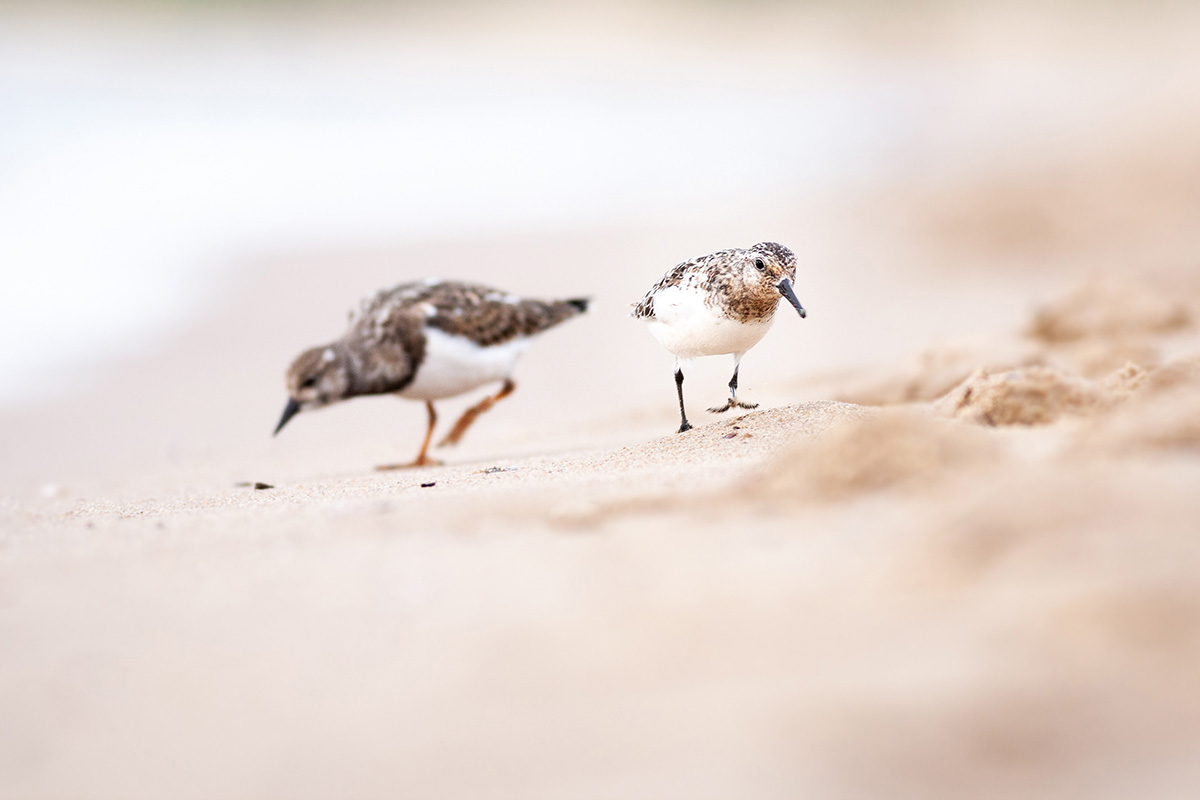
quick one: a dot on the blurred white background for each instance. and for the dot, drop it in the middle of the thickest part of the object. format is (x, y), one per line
(142, 154)
(191, 193)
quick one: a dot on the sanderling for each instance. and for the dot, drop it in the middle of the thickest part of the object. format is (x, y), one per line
(426, 340)
(719, 304)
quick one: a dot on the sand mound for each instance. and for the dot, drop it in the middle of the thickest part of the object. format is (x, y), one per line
(1165, 423)
(1109, 310)
(1030, 396)
(1101, 328)
(896, 447)
(932, 373)
(1182, 373)
(1082, 621)
(1162, 414)
(1105, 324)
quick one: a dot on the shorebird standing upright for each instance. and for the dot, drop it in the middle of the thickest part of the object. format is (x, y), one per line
(718, 304)
(427, 340)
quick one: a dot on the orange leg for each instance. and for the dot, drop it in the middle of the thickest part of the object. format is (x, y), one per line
(472, 413)
(422, 459)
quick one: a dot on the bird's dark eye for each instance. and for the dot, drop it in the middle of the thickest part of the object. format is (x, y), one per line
(759, 265)
(308, 383)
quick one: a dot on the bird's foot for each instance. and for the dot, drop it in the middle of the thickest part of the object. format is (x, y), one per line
(420, 462)
(732, 404)
(686, 426)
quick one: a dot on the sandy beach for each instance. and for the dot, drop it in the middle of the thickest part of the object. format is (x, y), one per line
(953, 553)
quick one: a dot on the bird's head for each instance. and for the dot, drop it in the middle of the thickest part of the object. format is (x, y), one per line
(317, 377)
(771, 268)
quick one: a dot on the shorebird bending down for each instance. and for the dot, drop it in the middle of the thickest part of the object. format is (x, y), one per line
(425, 341)
(722, 303)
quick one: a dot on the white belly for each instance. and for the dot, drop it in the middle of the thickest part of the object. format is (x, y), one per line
(688, 328)
(453, 365)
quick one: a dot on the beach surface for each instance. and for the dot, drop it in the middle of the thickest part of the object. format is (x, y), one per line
(954, 552)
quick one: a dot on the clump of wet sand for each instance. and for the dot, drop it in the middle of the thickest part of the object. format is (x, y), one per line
(890, 448)
(1029, 396)
(1109, 310)
(1161, 415)
(1106, 323)
(932, 373)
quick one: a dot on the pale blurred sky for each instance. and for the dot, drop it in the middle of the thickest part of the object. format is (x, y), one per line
(143, 153)
(137, 160)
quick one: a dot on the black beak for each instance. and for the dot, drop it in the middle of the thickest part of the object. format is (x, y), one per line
(785, 289)
(290, 410)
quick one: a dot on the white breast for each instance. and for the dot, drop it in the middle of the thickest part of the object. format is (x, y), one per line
(687, 327)
(454, 364)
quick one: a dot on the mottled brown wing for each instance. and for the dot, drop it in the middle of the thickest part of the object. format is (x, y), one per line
(489, 316)
(645, 307)
(480, 313)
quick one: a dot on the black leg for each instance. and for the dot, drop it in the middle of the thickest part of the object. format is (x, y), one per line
(684, 425)
(733, 401)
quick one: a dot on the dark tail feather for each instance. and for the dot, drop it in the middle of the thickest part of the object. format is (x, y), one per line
(580, 303)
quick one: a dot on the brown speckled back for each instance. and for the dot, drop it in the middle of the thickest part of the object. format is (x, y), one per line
(731, 286)
(386, 339)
